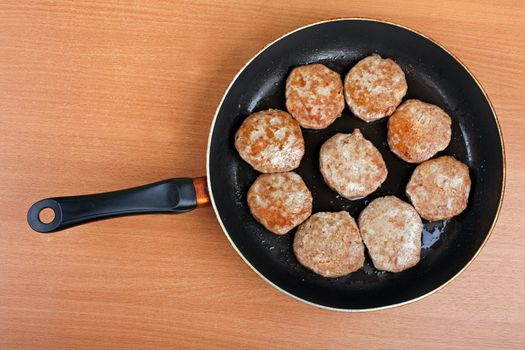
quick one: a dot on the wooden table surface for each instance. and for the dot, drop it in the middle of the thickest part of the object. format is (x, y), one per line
(99, 95)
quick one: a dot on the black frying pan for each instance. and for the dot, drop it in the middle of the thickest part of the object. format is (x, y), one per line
(433, 75)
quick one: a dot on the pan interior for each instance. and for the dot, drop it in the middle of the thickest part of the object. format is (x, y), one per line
(433, 76)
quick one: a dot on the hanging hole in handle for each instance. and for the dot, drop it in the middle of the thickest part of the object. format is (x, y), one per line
(46, 215)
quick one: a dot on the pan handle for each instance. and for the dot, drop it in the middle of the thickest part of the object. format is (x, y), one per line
(168, 196)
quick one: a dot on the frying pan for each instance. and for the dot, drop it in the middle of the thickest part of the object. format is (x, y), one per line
(433, 74)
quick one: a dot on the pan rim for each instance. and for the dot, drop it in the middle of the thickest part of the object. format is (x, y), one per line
(384, 307)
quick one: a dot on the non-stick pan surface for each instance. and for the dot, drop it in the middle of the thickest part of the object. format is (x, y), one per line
(433, 76)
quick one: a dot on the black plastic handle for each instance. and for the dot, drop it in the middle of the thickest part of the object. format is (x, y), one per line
(168, 196)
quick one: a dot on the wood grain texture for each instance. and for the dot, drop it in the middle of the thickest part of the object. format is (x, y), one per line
(102, 95)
